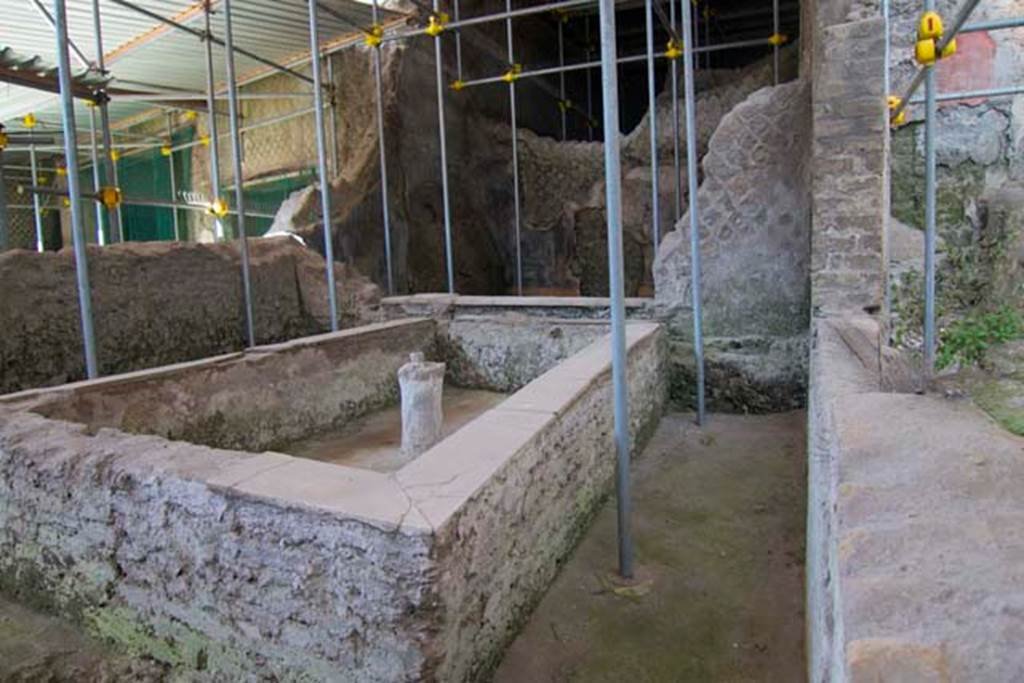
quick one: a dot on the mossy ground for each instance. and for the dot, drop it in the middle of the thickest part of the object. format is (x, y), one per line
(719, 530)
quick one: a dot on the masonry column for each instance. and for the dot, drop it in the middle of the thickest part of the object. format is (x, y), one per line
(849, 167)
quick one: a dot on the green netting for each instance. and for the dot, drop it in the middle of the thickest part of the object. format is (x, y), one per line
(147, 175)
(266, 197)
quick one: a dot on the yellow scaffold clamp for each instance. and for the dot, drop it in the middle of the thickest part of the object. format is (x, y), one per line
(457, 85)
(166, 150)
(929, 35)
(436, 24)
(564, 105)
(191, 115)
(115, 156)
(218, 208)
(3, 138)
(894, 102)
(110, 197)
(29, 121)
(204, 140)
(374, 36)
(674, 49)
(778, 39)
(62, 171)
(512, 74)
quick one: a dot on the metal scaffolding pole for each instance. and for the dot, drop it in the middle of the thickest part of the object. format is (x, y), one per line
(67, 105)
(101, 238)
(332, 119)
(677, 183)
(4, 220)
(652, 118)
(236, 160)
(775, 44)
(515, 148)
(487, 18)
(109, 169)
(458, 38)
(439, 68)
(691, 177)
(218, 224)
(389, 268)
(887, 89)
(37, 213)
(174, 182)
(616, 283)
(993, 25)
(561, 74)
(321, 160)
(929, 213)
(1008, 91)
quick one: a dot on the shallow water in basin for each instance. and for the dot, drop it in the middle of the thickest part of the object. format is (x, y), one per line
(374, 441)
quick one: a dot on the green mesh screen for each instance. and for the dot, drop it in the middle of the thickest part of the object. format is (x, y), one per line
(266, 197)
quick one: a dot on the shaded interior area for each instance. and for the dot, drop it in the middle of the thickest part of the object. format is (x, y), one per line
(718, 523)
(374, 441)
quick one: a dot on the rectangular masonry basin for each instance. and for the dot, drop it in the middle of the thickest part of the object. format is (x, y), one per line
(158, 509)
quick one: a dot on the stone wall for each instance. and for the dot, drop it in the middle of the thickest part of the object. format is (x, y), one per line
(159, 303)
(849, 170)
(257, 400)
(230, 565)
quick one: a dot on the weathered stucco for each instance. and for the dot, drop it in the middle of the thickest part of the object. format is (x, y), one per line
(227, 564)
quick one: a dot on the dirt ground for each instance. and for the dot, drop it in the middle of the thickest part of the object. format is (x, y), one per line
(719, 530)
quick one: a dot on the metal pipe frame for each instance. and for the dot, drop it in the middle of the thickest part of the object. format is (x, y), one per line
(458, 37)
(385, 212)
(616, 281)
(245, 129)
(67, 104)
(332, 118)
(439, 69)
(487, 18)
(218, 224)
(961, 18)
(236, 160)
(753, 42)
(691, 173)
(174, 181)
(590, 83)
(36, 209)
(79, 55)
(515, 150)
(178, 97)
(1007, 91)
(652, 119)
(4, 219)
(321, 158)
(994, 25)
(133, 201)
(677, 185)
(931, 111)
(200, 34)
(101, 238)
(775, 47)
(887, 88)
(108, 173)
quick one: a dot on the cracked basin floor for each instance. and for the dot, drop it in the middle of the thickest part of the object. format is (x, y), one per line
(718, 596)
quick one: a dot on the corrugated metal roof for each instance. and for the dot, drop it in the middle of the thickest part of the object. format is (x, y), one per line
(140, 51)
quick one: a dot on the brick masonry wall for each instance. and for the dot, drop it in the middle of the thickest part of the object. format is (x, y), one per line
(849, 169)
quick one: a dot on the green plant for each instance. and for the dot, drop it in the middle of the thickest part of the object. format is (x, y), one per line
(966, 340)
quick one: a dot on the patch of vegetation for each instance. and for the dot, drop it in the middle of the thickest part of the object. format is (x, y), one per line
(966, 340)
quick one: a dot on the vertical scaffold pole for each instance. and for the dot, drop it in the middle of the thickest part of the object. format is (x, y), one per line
(887, 79)
(616, 284)
(67, 106)
(109, 169)
(332, 119)
(211, 104)
(458, 39)
(691, 178)
(707, 33)
(96, 182)
(4, 218)
(652, 117)
(677, 175)
(439, 68)
(929, 214)
(37, 214)
(321, 157)
(775, 43)
(236, 160)
(515, 150)
(174, 181)
(384, 157)
(561, 74)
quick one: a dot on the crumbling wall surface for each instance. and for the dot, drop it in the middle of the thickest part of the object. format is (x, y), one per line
(254, 401)
(755, 249)
(849, 170)
(160, 547)
(914, 544)
(541, 464)
(159, 303)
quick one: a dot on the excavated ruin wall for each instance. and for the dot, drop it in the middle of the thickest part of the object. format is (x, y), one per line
(158, 303)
